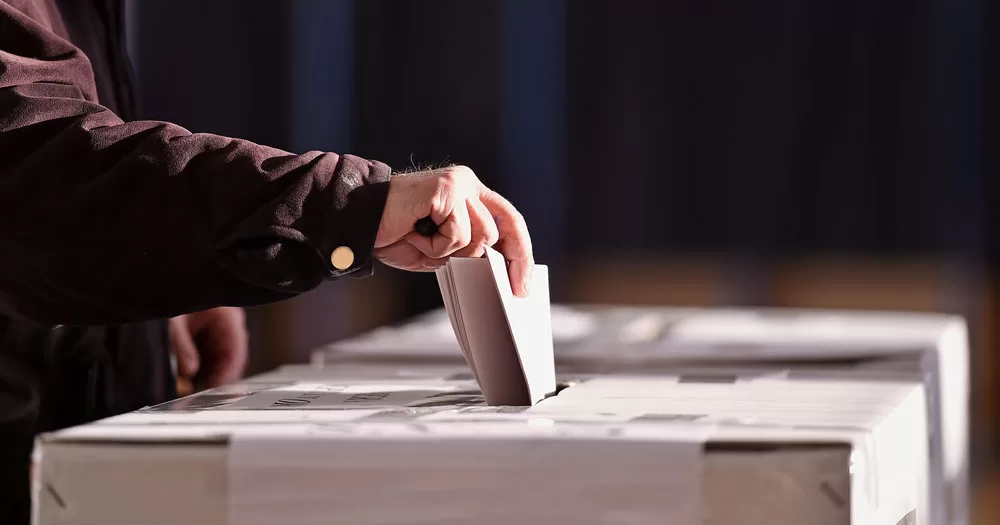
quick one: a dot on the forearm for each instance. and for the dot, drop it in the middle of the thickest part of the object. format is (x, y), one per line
(106, 221)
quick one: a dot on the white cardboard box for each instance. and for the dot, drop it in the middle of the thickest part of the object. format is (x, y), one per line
(683, 450)
(608, 339)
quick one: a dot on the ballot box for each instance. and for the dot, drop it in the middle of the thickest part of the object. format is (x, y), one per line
(681, 449)
(614, 339)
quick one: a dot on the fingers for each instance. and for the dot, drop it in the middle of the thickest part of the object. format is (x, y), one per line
(465, 233)
(514, 242)
(211, 346)
(469, 218)
(229, 359)
(183, 347)
(484, 230)
(225, 344)
(454, 234)
(413, 196)
(406, 256)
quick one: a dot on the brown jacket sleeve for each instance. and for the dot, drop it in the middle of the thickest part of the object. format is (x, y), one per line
(104, 221)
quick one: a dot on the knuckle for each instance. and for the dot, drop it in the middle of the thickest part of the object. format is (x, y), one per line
(517, 219)
(453, 175)
(239, 315)
(461, 172)
(443, 194)
(447, 176)
(464, 237)
(490, 236)
(445, 184)
(436, 250)
(460, 176)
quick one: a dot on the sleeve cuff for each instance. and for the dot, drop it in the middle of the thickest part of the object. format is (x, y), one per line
(320, 227)
(351, 249)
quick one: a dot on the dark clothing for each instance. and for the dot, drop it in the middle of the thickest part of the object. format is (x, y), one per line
(108, 225)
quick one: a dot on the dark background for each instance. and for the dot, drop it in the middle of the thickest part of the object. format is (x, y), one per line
(836, 153)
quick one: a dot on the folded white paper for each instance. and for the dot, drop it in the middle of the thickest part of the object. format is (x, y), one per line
(506, 340)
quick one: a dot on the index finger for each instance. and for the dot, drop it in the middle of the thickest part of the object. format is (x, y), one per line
(514, 242)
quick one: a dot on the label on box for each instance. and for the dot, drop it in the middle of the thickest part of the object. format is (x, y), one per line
(511, 471)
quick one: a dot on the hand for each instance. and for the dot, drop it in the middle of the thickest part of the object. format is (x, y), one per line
(469, 216)
(211, 346)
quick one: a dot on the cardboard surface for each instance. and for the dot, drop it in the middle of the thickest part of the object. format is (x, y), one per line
(614, 339)
(692, 450)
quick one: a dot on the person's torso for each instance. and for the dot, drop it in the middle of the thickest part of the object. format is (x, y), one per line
(97, 27)
(86, 371)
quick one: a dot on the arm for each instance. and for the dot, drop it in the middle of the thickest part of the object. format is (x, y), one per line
(103, 221)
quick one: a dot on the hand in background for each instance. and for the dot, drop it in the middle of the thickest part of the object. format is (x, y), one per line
(211, 346)
(469, 216)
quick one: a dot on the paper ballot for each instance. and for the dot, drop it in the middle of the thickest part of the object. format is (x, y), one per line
(506, 340)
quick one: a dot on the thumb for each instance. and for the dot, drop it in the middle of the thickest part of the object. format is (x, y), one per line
(183, 347)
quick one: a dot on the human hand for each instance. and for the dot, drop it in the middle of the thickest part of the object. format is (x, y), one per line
(211, 346)
(469, 216)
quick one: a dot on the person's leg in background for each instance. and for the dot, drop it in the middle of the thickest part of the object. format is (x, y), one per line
(53, 378)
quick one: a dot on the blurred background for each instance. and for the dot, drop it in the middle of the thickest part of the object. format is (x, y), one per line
(803, 153)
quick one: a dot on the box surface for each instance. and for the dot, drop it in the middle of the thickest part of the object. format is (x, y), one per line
(608, 339)
(699, 449)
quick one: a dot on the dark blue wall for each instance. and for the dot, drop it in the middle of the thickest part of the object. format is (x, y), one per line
(760, 129)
